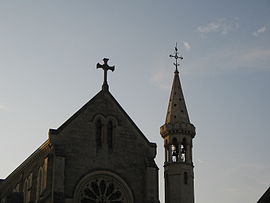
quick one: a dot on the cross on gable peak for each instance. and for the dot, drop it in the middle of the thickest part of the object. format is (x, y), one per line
(105, 68)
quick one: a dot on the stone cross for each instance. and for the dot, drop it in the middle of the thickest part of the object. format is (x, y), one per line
(105, 67)
(176, 64)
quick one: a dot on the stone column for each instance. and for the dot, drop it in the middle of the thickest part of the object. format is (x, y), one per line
(170, 153)
(188, 153)
(59, 179)
(166, 153)
(180, 153)
(151, 185)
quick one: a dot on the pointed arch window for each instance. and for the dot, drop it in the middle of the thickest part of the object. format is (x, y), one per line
(3, 200)
(39, 183)
(183, 150)
(185, 178)
(17, 188)
(27, 189)
(42, 179)
(98, 134)
(175, 150)
(45, 172)
(110, 135)
(25, 192)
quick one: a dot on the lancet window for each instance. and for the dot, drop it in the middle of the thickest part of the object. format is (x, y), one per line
(17, 188)
(25, 192)
(185, 178)
(39, 183)
(42, 179)
(27, 189)
(98, 134)
(175, 150)
(110, 135)
(183, 148)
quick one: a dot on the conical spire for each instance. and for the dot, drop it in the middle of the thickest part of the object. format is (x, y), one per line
(177, 111)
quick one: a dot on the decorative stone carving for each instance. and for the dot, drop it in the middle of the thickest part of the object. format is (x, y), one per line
(103, 187)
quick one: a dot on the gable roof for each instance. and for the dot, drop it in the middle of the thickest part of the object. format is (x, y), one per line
(265, 197)
(102, 93)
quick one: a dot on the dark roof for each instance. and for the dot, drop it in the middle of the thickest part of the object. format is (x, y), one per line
(265, 198)
(44, 148)
(102, 92)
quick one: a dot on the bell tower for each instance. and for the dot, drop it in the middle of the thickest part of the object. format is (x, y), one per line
(178, 133)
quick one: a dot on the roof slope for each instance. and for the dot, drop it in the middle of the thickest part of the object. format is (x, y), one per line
(265, 197)
(103, 94)
(177, 111)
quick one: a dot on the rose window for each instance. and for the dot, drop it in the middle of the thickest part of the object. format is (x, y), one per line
(102, 188)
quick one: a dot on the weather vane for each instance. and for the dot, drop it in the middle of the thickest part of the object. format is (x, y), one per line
(176, 56)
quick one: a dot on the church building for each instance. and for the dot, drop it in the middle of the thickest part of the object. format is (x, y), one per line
(99, 155)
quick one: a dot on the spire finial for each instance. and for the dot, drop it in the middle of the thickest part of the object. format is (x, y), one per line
(105, 67)
(176, 56)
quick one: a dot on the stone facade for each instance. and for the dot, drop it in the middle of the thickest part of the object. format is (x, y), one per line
(99, 153)
(22, 184)
(177, 133)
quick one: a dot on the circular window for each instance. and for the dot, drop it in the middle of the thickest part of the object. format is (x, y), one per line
(103, 187)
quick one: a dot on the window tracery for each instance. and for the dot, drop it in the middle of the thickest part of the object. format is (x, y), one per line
(102, 188)
(101, 191)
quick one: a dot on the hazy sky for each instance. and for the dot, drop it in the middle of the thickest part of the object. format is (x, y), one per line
(49, 50)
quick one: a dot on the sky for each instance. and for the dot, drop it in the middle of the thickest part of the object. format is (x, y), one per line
(48, 56)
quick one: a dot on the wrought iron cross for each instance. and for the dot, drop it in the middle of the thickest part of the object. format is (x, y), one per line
(105, 67)
(176, 56)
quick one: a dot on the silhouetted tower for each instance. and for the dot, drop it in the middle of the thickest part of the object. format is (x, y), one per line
(178, 133)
